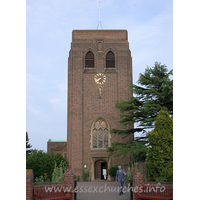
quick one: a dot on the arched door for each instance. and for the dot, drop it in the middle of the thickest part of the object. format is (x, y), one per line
(99, 169)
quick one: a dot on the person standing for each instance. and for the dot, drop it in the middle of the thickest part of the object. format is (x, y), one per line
(120, 178)
(104, 172)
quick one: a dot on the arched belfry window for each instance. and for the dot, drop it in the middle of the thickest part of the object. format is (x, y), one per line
(89, 60)
(110, 60)
(100, 134)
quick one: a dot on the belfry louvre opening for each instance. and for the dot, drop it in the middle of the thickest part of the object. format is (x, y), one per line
(110, 60)
(89, 60)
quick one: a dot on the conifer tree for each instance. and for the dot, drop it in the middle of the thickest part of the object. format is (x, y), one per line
(28, 146)
(159, 161)
(153, 93)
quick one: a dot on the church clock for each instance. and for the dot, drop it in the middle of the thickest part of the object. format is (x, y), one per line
(100, 78)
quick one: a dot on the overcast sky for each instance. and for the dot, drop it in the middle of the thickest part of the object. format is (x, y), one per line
(49, 26)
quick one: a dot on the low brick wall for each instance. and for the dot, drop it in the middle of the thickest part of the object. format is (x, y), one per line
(138, 180)
(69, 179)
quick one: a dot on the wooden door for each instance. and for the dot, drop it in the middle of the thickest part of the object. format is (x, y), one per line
(98, 170)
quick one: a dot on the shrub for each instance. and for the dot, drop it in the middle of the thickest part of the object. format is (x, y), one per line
(42, 178)
(58, 174)
(41, 163)
(130, 172)
(85, 175)
(112, 171)
(159, 161)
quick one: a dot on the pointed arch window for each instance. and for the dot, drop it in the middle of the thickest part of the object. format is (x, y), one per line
(100, 134)
(110, 60)
(89, 60)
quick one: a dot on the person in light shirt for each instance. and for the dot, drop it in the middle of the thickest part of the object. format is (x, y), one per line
(104, 172)
(120, 178)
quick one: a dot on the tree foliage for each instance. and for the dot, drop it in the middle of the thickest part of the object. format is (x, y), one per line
(41, 162)
(132, 147)
(153, 93)
(159, 161)
(28, 146)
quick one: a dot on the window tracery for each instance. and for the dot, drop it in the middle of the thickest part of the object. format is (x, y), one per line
(100, 134)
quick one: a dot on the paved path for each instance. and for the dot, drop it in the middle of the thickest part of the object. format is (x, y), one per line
(100, 191)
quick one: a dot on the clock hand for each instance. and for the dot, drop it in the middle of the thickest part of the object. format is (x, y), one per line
(98, 79)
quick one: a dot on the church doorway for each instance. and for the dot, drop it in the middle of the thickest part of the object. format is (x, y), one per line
(99, 169)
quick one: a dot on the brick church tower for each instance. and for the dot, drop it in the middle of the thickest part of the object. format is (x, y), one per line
(99, 74)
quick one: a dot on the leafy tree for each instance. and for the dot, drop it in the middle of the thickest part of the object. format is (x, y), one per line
(159, 161)
(154, 93)
(42, 163)
(28, 146)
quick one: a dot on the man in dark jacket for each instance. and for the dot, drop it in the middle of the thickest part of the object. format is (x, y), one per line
(120, 178)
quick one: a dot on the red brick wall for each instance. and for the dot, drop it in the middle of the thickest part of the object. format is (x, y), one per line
(29, 184)
(69, 179)
(138, 180)
(84, 105)
(80, 35)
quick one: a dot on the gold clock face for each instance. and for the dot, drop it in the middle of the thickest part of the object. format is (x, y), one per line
(100, 79)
